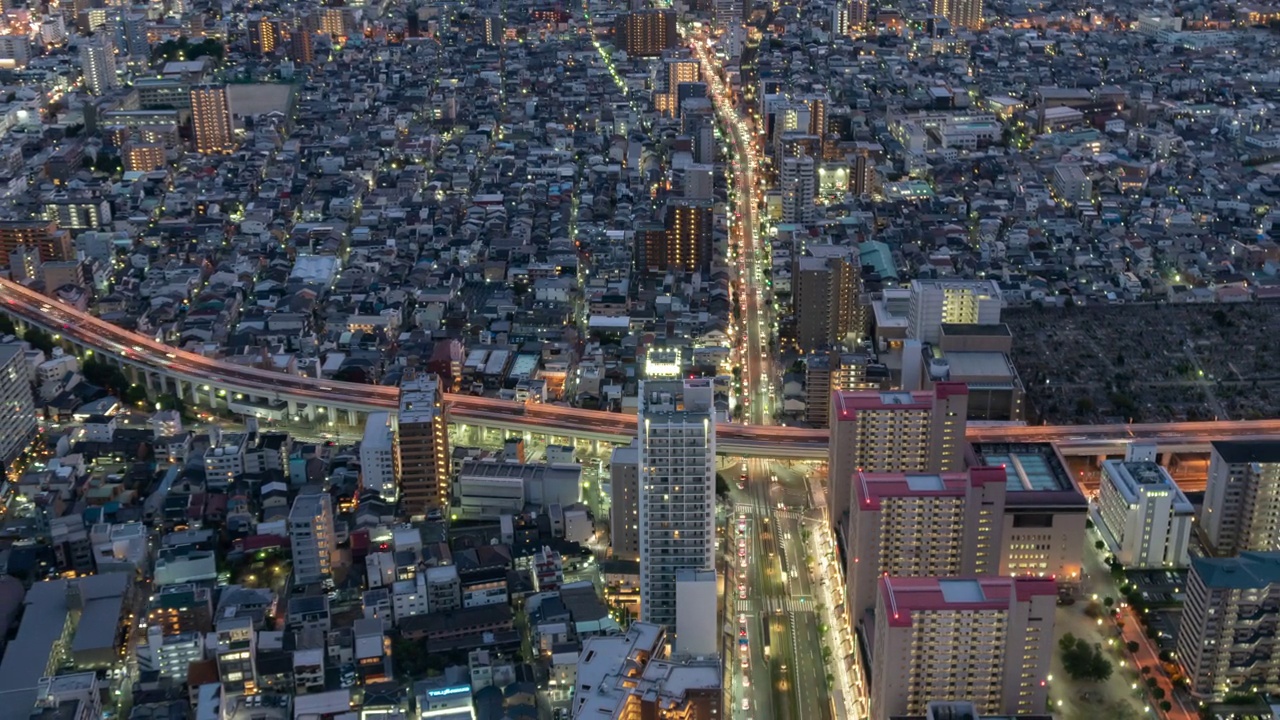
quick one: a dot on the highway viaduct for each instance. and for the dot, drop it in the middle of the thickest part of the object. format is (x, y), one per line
(278, 396)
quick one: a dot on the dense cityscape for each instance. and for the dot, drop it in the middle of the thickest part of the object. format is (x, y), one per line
(639, 360)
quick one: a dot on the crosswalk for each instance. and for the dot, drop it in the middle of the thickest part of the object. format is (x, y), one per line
(771, 605)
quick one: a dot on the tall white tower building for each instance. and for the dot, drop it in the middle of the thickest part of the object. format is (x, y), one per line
(799, 178)
(98, 64)
(677, 433)
(379, 468)
(311, 533)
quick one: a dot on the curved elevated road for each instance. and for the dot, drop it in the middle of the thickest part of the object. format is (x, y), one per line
(151, 356)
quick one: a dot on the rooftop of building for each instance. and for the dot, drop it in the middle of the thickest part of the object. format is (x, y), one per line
(1248, 451)
(1246, 571)
(1132, 477)
(872, 489)
(1029, 467)
(902, 596)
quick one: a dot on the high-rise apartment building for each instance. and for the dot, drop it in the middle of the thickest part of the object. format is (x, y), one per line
(876, 431)
(922, 525)
(684, 242)
(677, 439)
(423, 440)
(311, 535)
(962, 14)
(17, 404)
(831, 371)
(144, 156)
(379, 461)
(1227, 639)
(798, 183)
(1146, 519)
(1242, 500)
(266, 34)
(211, 121)
(624, 512)
(301, 48)
(98, 65)
(727, 15)
(676, 69)
(1014, 512)
(952, 302)
(826, 287)
(646, 33)
(628, 676)
(988, 640)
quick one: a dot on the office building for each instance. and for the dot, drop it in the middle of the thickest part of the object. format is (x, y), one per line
(684, 240)
(1144, 518)
(98, 65)
(379, 463)
(311, 535)
(961, 14)
(876, 431)
(52, 243)
(628, 676)
(423, 446)
(211, 121)
(1227, 639)
(987, 639)
(17, 404)
(1242, 499)
(956, 302)
(646, 33)
(826, 287)
(1044, 512)
(677, 439)
(798, 184)
(624, 508)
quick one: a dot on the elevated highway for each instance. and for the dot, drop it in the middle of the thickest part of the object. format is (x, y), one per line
(215, 382)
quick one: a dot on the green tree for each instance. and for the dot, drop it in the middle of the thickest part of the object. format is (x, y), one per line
(1132, 645)
(6, 326)
(39, 339)
(1100, 545)
(1165, 706)
(1158, 693)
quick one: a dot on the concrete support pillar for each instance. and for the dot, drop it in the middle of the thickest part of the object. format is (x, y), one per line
(595, 447)
(153, 383)
(213, 396)
(351, 418)
(292, 406)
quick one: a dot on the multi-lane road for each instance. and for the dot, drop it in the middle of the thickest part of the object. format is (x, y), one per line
(787, 674)
(755, 321)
